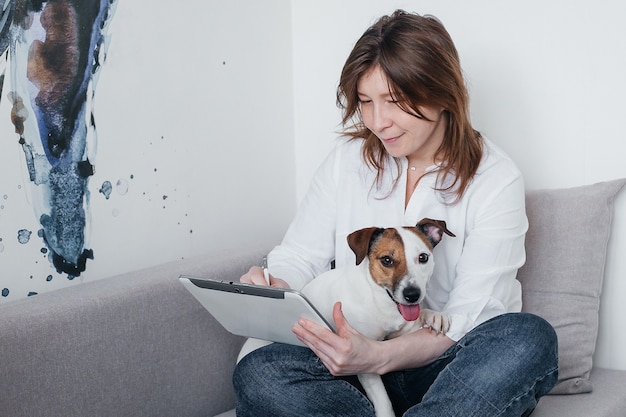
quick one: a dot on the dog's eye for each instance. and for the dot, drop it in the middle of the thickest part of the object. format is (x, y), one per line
(386, 261)
(423, 258)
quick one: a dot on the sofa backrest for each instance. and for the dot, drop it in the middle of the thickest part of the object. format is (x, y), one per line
(138, 344)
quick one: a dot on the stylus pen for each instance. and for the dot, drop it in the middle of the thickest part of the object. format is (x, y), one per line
(266, 273)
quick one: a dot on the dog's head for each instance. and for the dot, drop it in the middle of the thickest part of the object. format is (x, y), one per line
(400, 260)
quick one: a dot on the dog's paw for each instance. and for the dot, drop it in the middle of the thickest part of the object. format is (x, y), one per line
(435, 321)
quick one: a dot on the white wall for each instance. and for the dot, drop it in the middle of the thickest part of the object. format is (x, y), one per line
(546, 81)
(199, 104)
(195, 103)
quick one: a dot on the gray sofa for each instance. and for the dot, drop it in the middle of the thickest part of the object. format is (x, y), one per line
(140, 345)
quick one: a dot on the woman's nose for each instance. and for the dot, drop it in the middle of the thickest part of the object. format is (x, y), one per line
(380, 117)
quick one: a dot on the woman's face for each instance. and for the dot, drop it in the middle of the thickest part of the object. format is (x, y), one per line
(401, 133)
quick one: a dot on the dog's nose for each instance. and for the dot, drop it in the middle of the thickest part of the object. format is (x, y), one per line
(411, 294)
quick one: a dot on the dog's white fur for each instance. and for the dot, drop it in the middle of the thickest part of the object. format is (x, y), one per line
(370, 292)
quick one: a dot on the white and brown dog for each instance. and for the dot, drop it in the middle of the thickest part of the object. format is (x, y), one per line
(381, 295)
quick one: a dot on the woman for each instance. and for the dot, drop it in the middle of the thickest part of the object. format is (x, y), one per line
(411, 153)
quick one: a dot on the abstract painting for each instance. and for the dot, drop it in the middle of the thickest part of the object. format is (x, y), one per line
(52, 52)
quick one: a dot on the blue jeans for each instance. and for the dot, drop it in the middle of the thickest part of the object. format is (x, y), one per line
(501, 368)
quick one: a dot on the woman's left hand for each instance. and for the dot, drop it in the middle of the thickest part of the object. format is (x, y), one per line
(346, 352)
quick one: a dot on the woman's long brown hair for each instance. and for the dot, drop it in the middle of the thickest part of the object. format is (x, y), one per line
(422, 67)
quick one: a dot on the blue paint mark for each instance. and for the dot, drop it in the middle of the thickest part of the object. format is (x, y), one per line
(106, 189)
(122, 187)
(52, 111)
(63, 228)
(5, 292)
(23, 236)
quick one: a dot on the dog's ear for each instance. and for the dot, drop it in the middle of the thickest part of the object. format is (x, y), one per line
(360, 241)
(434, 230)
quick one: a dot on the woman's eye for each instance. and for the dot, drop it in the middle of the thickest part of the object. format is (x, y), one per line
(423, 258)
(386, 261)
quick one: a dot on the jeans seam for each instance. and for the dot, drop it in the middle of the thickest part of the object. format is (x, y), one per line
(530, 389)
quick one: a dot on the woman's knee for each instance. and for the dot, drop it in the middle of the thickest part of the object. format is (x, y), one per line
(513, 356)
(258, 365)
(515, 342)
(272, 365)
(537, 334)
(526, 345)
(255, 378)
(245, 373)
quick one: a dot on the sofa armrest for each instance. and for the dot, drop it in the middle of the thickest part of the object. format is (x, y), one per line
(137, 344)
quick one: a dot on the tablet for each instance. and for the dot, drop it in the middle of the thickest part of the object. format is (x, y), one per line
(260, 312)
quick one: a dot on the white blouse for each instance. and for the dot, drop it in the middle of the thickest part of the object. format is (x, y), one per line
(474, 276)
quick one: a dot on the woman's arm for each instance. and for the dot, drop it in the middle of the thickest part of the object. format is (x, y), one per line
(348, 352)
(308, 246)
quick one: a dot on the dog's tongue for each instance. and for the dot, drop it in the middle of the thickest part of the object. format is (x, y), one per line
(409, 312)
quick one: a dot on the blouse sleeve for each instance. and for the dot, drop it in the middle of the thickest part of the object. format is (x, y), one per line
(308, 247)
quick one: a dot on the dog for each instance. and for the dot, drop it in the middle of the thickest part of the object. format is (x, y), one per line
(381, 294)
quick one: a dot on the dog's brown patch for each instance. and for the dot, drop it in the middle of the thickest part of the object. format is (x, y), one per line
(387, 259)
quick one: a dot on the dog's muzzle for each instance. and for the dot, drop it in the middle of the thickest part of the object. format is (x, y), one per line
(410, 312)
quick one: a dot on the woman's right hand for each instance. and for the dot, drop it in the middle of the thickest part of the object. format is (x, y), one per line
(255, 276)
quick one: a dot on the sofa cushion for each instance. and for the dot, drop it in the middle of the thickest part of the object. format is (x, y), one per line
(607, 399)
(229, 413)
(566, 248)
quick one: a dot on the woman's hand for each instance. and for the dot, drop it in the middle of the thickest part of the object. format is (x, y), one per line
(347, 352)
(255, 276)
